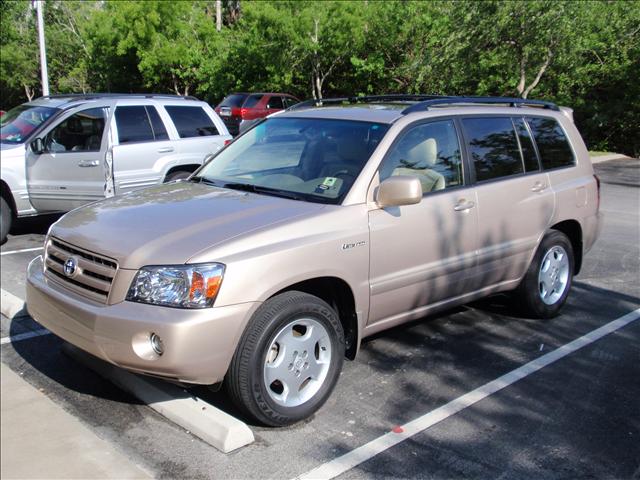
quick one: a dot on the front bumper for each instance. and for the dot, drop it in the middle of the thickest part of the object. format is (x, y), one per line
(198, 344)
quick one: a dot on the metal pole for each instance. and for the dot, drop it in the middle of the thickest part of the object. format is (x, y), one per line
(218, 15)
(43, 50)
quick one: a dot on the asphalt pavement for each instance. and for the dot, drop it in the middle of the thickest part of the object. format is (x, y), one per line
(576, 418)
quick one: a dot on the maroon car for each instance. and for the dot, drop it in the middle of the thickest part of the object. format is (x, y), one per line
(240, 110)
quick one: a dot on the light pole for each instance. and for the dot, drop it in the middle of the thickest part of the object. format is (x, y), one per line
(43, 50)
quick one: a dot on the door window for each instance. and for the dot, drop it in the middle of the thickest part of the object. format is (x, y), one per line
(139, 123)
(252, 101)
(430, 152)
(275, 103)
(493, 147)
(81, 132)
(191, 121)
(554, 148)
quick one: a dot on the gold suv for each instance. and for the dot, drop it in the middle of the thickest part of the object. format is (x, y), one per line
(320, 226)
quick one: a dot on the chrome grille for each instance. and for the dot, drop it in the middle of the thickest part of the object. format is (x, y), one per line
(93, 273)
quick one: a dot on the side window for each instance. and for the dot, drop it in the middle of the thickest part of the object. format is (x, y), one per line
(529, 156)
(430, 152)
(159, 131)
(191, 121)
(288, 102)
(493, 147)
(133, 124)
(252, 101)
(553, 146)
(275, 102)
(81, 132)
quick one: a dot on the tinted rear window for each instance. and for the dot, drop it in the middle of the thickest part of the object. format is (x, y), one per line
(493, 147)
(252, 101)
(275, 102)
(133, 124)
(233, 101)
(553, 146)
(191, 121)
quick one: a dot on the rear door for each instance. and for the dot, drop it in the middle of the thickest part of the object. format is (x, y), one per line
(199, 132)
(515, 200)
(70, 172)
(142, 148)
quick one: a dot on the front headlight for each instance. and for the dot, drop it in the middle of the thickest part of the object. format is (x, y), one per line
(183, 286)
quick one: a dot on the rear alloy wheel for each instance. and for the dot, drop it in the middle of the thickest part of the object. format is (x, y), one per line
(288, 360)
(545, 287)
(6, 217)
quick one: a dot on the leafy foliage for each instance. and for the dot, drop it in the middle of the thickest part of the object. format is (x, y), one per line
(582, 54)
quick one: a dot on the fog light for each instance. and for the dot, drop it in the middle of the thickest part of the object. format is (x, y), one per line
(156, 344)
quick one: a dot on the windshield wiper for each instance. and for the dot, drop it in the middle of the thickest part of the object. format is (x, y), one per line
(208, 181)
(247, 187)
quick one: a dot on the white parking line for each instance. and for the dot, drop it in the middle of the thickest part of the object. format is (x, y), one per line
(24, 336)
(11, 252)
(338, 466)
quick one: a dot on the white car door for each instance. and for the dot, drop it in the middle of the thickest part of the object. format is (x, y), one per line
(69, 171)
(200, 130)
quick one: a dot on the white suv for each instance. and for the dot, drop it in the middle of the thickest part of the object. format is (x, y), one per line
(60, 152)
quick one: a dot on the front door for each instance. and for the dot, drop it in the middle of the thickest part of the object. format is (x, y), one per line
(423, 254)
(69, 173)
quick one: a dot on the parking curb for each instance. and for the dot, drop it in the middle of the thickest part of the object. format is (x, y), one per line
(217, 428)
(10, 305)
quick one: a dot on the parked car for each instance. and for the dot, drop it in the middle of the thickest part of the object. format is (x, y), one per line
(60, 152)
(318, 228)
(239, 111)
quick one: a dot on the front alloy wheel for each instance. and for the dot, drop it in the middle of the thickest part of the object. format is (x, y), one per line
(288, 359)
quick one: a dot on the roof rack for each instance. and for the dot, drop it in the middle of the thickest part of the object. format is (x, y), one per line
(389, 98)
(511, 102)
(91, 96)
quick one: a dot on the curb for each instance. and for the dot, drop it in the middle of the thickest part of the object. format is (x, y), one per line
(217, 428)
(10, 305)
(606, 158)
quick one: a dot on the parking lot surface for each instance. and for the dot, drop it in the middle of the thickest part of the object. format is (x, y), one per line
(577, 417)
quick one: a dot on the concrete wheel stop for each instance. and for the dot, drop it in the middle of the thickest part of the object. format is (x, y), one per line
(217, 428)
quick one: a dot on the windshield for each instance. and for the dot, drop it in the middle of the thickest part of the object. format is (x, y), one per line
(304, 158)
(18, 123)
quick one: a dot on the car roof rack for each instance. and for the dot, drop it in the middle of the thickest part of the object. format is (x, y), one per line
(509, 101)
(92, 96)
(389, 98)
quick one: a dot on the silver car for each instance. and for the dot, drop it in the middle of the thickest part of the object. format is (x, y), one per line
(60, 152)
(315, 229)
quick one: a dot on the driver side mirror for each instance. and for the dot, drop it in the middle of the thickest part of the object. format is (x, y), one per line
(399, 190)
(37, 146)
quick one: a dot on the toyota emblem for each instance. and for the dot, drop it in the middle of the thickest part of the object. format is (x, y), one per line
(70, 267)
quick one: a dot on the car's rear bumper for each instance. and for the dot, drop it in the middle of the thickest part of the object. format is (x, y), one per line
(198, 344)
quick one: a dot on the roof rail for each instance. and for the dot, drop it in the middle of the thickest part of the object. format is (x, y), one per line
(389, 98)
(91, 96)
(511, 102)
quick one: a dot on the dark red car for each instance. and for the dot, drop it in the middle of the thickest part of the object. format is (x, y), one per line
(240, 110)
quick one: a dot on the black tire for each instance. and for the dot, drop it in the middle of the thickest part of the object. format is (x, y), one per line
(245, 380)
(6, 218)
(530, 292)
(177, 175)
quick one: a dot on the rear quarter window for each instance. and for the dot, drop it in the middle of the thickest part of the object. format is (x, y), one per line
(252, 101)
(191, 121)
(553, 145)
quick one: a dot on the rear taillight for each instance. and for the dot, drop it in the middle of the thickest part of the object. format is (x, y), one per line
(598, 193)
(227, 142)
(243, 112)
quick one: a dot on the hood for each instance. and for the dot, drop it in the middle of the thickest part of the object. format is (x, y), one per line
(168, 224)
(12, 149)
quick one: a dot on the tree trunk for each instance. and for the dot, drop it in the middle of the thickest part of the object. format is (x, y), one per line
(218, 15)
(28, 92)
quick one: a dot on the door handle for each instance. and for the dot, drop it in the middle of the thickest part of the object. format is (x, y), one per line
(538, 187)
(165, 150)
(88, 163)
(463, 205)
